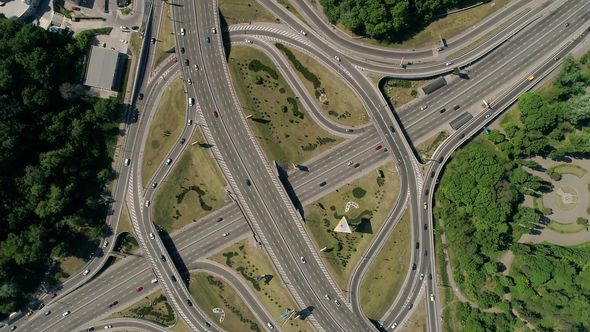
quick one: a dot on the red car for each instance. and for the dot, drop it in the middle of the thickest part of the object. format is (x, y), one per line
(53, 295)
(175, 60)
(75, 8)
(215, 114)
(139, 289)
(356, 165)
(379, 147)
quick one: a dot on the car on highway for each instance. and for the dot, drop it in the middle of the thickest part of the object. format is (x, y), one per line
(189, 82)
(349, 163)
(303, 33)
(135, 27)
(220, 219)
(182, 50)
(532, 77)
(196, 68)
(225, 234)
(248, 183)
(394, 325)
(414, 266)
(270, 326)
(140, 96)
(462, 135)
(392, 129)
(456, 107)
(488, 115)
(182, 141)
(115, 303)
(168, 161)
(303, 260)
(127, 162)
(410, 306)
(186, 62)
(417, 245)
(76, 8)
(86, 272)
(449, 63)
(182, 31)
(139, 289)
(429, 276)
(173, 278)
(190, 122)
(327, 297)
(54, 295)
(322, 184)
(425, 253)
(432, 174)
(423, 107)
(440, 49)
(432, 297)
(90, 329)
(337, 303)
(41, 306)
(208, 40)
(356, 165)
(207, 324)
(122, 27)
(163, 258)
(440, 160)
(567, 24)
(337, 58)
(147, 203)
(248, 41)
(47, 313)
(108, 327)
(13, 328)
(154, 184)
(215, 114)
(175, 60)
(425, 205)
(106, 243)
(426, 192)
(425, 226)
(213, 30)
(152, 236)
(153, 40)
(349, 130)
(442, 111)
(65, 313)
(421, 276)
(378, 147)
(190, 304)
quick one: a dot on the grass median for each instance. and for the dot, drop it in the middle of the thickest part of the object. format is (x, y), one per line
(165, 129)
(154, 307)
(336, 99)
(375, 196)
(400, 92)
(426, 149)
(388, 271)
(248, 260)
(165, 37)
(243, 11)
(285, 131)
(193, 189)
(210, 292)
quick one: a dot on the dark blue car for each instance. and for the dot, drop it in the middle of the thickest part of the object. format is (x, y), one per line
(207, 40)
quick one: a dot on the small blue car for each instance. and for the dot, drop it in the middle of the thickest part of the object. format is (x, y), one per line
(47, 313)
(207, 40)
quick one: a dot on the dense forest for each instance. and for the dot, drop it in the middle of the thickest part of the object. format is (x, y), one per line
(54, 160)
(384, 19)
(479, 203)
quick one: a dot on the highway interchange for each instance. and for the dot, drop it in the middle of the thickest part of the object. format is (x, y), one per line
(264, 207)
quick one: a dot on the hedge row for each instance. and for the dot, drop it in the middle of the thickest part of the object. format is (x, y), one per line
(256, 66)
(300, 67)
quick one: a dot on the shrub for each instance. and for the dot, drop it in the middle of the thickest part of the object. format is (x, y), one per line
(333, 113)
(317, 93)
(299, 66)
(282, 90)
(296, 112)
(546, 211)
(337, 247)
(358, 192)
(414, 93)
(256, 66)
(256, 79)
(283, 108)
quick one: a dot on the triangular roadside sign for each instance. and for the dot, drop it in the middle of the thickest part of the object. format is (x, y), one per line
(342, 226)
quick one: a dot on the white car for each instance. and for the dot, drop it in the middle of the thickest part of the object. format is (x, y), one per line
(337, 58)
(196, 68)
(65, 313)
(127, 162)
(303, 33)
(270, 326)
(349, 163)
(327, 297)
(432, 297)
(423, 107)
(106, 244)
(488, 115)
(190, 122)
(449, 63)
(213, 30)
(303, 260)
(168, 161)
(108, 327)
(248, 41)
(337, 303)
(425, 206)
(152, 236)
(421, 276)
(225, 234)
(189, 82)
(182, 32)
(394, 325)
(147, 203)
(124, 28)
(86, 272)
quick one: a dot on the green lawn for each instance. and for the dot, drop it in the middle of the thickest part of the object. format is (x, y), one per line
(79, 254)
(243, 11)
(166, 36)
(387, 271)
(338, 102)
(165, 129)
(560, 204)
(292, 9)
(283, 135)
(569, 169)
(512, 115)
(425, 149)
(124, 223)
(564, 228)
(127, 244)
(193, 189)
(210, 292)
(401, 92)
(417, 321)
(447, 27)
(154, 307)
(375, 203)
(248, 260)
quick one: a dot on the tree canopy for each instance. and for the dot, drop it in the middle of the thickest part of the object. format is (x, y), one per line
(54, 159)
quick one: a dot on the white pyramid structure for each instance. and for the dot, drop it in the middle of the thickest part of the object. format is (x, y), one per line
(342, 226)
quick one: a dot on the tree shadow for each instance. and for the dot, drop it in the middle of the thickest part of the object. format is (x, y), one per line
(364, 227)
(268, 278)
(263, 121)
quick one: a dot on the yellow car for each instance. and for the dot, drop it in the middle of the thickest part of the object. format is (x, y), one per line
(532, 77)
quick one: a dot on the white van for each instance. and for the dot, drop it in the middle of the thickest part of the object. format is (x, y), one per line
(191, 101)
